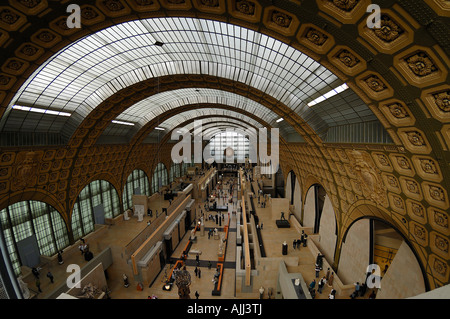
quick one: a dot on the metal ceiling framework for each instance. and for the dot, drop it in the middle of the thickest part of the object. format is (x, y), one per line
(87, 72)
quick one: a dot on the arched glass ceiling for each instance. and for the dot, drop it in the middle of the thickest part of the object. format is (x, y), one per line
(85, 73)
(213, 114)
(152, 107)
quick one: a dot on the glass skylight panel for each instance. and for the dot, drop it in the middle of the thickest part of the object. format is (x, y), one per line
(97, 66)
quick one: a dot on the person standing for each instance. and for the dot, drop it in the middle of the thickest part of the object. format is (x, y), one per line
(312, 285)
(199, 273)
(327, 276)
(38, 284)
(261, 292)
(320, 286)
(332, 294)
(197, 294)
(50, 276)
(317, 269)
(330, 280)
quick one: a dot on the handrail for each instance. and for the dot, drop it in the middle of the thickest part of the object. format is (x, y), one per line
(156, 232)
(247, 261)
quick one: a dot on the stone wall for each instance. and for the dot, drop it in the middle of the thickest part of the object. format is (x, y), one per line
(309, 210)
(403, 278)
(327, 231)
(354, 257)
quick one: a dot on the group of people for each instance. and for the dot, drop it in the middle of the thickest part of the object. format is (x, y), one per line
(300, 242)
(36, 274)
(327, 279)
(84, 248)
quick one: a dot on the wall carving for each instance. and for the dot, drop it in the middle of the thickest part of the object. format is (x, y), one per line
(369, 177)
(389, 31)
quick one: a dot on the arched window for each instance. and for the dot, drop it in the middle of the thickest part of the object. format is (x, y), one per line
(184, 167)
(174, 172)
(24, 219)
(97, 193)
(137, 179)
(160, 177)
(225, 140)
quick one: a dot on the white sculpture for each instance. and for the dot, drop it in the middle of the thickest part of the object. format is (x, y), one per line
(139, 210)
(23, 288)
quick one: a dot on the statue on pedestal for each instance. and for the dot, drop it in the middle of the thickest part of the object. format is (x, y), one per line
(126, 284)
(23, 288)
(183, 281)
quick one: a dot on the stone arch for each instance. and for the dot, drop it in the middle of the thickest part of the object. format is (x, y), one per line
(405, 277)
(84, 219)
(128, 190)
(26, 218)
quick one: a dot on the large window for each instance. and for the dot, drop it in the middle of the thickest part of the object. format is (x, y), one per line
(160, 177)
(174, 172)
(137, 179)
(222, 141)
(96, 193)
(27, 218)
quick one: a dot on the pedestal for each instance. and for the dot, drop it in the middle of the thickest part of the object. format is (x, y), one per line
(283, 223)
(284, 249)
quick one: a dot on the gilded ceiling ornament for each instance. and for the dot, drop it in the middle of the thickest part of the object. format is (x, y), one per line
(316, 37)
(441, 219)
(8, 17)
(398, 110)
(442, 100)
(113, 5)
(14, 65)
(383, 160)
(4, 79)
(30, 3)
(6, 158)
(398, 202)
(29, 50)
(389, 30)
(420, 64)
(281, 19)
(403, 162)
(89, 13)
(417, 210)
(46, 36)
(441, 243)
(369, 177)
(25, 172)
(437, 193)
(415, 138)
(347, 58)
(412, 186)
(245, 7)
(375, 84)
(392, 181)
(419, 232)
(346, 5)
(440, 267)
(428, 166)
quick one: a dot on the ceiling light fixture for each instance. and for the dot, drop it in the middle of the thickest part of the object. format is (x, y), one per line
(42, 111)
(159, 128)
(123, 123)
(159, 43)
(279, 120)
(329, 94)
